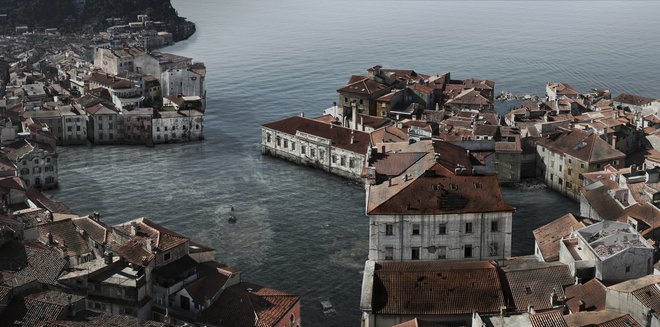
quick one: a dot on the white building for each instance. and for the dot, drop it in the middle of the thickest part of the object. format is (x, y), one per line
(609, 250)
(429, 212)
(305, 141)
(36, 163)
(103, 125)
(563, 158)
(116, 61)
(185, 81)
(638, 298)
(125, 93)
(177, 126)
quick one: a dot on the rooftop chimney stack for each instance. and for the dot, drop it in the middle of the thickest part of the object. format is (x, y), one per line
(134, 229)
(353, 115)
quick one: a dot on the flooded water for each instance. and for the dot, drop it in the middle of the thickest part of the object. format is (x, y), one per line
(302, 230)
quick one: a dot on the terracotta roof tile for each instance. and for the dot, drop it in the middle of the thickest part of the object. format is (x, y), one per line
(442, 192)
(548, 319)
(600, 319)
(250, 305)
(436, 288)
(395, 164)
(534, 286)
(340, 136)
(583, 145)
(98, 319)
(31, 261)
(65, 235)
(591, 294)
(548, 236)
(633, 99)
(649, 296)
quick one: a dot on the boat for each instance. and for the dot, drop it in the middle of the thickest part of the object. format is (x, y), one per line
(327, 308)
(232, 218)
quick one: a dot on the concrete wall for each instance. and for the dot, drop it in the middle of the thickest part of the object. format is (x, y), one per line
(74, 129)
(508, 167)
(638, 262)
(625, 302)
(104, 129)
(432, 244)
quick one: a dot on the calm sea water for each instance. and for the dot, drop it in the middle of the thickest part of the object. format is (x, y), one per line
(302, 230)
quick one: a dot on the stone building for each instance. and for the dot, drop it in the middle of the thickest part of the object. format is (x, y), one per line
(137, 126)
(36, 163)
(68, 127)
(564, 157)
(177, 126)
(637, 297)
(117, 61)
(610, 251)
(103, 125)
(305, 141)
(124, 92)
(429, 212)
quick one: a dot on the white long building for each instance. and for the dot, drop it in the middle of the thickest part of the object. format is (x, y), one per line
(305, 141)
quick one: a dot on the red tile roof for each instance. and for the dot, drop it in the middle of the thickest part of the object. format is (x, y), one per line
(441, 192)
(649, 296)
(533, 286)
(633, 99)
(600, 319)
(395, 164)
(591, 294)
(365, 86)
(548, 236)
(161, 238)
(66, 236)
(583, 145)
(250, 305)
(436, 288)
(548, 319)
(340, 136)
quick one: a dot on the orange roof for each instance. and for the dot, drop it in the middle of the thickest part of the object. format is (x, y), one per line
(548, 236)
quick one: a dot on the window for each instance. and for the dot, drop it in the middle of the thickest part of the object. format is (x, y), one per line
(286, 143)
(293, 146)
(561, 181)
(112, 136)
(389, 229)
(167, 256)
(468, 228)
(477, 186)
(334, 159)
(415, 229)
(278, 141)
(37, 181)
(342, 161)
(69, 129)
(627, 269)
(50, 180)
(268, 137)
(303, 149)
(528, 290)
(467, 251)
(48, 168)
(560, 168)
(442, 252)
(158, 129)
(312, 152)
(389, 253)
(442, 229)
(569, 185)
(36, 170)
(36, 161)
(492, 250)
(493, 226)
(582, 165)
(321, 154)
(569, 171)
(48, 159)
(453, 187)
(414, 253)
(100, 126)
(25, 171)
(345, 99)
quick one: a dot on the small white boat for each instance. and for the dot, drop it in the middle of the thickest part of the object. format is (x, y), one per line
(327, 308)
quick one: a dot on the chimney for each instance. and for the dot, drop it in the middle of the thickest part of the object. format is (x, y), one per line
(437, 107)
(554, 298)
(578, 280)
(354, 116)
(530, 309)
(352, 137)
(334, 107)
(614, 142)
(302, 114)
(50, 238)
(581, 306)
(108, 258)
(134, 228)
(362, 122)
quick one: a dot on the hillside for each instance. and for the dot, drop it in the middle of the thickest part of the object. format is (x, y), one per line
(74, 15)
